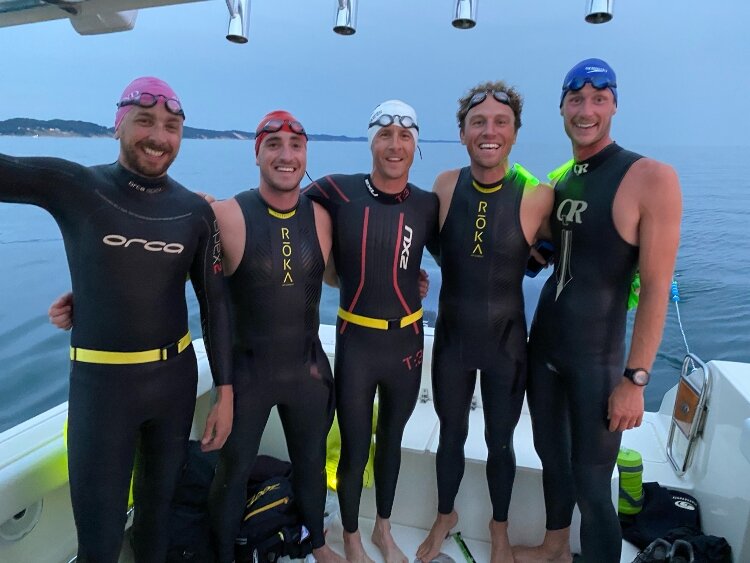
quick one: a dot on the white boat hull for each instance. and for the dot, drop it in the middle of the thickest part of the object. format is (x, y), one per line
(33, 468)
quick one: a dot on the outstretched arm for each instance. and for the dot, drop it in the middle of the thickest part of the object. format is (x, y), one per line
(38, 180)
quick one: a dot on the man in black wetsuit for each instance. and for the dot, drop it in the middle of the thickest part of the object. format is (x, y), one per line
(381, 224)
(277, 245)
(615, 212)
(275, 250)
(132, 236)
(490, 215)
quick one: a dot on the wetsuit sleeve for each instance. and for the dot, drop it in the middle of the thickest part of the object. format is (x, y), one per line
(36, 180)
(207, 277)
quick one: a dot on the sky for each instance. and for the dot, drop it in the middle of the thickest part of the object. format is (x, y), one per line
(682, 65)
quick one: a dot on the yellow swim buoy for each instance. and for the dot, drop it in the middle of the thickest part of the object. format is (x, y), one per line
(333, 453)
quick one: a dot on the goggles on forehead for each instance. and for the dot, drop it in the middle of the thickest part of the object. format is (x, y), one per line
(599, 82)
(386, 119)
(274, 125)
(146, 100)
(479, 97)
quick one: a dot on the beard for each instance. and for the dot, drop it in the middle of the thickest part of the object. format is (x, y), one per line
(133, 159)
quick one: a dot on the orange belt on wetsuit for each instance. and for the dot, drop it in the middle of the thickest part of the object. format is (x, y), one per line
(155, 355)
(381, 324)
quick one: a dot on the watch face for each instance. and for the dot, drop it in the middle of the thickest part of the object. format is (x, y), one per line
(640, 377)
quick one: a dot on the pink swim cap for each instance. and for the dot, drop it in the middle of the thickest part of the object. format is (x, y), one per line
(147, 84)
(289, 123)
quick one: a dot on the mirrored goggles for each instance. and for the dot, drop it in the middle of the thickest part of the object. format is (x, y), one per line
(386, 119)
(599, 82)
(274, 125)
(146, 100)
(479, 97)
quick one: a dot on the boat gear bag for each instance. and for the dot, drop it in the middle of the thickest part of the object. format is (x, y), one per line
(189, 526)
(706, 548)
(663, 510)
(271, 525)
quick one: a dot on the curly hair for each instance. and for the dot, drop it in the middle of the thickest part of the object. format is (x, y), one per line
(515, 100)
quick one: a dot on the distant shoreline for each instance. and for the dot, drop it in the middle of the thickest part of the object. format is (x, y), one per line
(25, 127)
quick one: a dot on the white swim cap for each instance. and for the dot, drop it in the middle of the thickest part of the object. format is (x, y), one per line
(393, 112)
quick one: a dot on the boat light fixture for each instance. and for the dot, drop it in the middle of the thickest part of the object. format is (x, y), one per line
(465, 14)
(239, 20)
(346, 17)
(599, 11)
(95, 24)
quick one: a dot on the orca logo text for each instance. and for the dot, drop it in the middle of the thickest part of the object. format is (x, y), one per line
(150, 245)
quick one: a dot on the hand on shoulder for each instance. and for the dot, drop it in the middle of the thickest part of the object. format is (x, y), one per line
(208, 197)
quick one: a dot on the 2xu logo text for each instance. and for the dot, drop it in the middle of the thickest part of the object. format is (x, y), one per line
(406, 245)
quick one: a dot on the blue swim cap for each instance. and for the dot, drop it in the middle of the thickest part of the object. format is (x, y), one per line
(594, 71)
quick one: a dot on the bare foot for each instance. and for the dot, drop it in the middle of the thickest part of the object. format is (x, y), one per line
(554, 549)
(501, 550)
(353, 548)
(382, 538)
(325, 554)
(442, 526)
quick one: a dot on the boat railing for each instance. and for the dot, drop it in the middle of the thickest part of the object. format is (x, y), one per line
(689, 413)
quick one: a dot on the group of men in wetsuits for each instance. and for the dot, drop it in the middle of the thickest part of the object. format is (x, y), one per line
(608, 214)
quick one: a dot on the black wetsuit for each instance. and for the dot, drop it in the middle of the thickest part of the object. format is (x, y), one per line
(377, 248)
(480, 326)
(577, 351)
(278, 360)
(131, 242)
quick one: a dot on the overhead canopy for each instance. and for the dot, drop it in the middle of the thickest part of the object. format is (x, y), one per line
(87, 17)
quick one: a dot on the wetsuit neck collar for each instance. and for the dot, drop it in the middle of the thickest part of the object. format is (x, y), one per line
(137, 183)
(590, 164)
(278, 213)
(383, 197)
(493, 187)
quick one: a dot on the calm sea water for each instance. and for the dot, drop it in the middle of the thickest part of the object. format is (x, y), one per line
(711, 266)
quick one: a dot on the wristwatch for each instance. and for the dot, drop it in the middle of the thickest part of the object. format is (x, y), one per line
(639, 376)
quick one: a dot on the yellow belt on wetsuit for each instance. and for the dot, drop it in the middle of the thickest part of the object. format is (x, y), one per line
(155, 355)
(381, 324)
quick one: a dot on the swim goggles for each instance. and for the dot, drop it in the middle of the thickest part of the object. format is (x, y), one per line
(386, 119)
(146, 100)
(479, 97)
(599, 82)
(274, 125)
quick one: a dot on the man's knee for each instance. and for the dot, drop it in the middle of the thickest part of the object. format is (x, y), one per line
(593, 488)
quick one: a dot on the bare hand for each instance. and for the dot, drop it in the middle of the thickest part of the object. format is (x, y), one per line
(208, 197)
(625, 406)
(219, 421)
(541, 259)
(61, 311)
(424, 283)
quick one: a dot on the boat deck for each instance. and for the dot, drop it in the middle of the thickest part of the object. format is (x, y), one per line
(415, 505)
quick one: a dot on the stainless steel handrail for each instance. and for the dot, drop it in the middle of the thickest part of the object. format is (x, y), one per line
(690, 364)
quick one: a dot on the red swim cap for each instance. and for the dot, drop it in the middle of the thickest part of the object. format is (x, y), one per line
(148, 84)
(289, 123)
